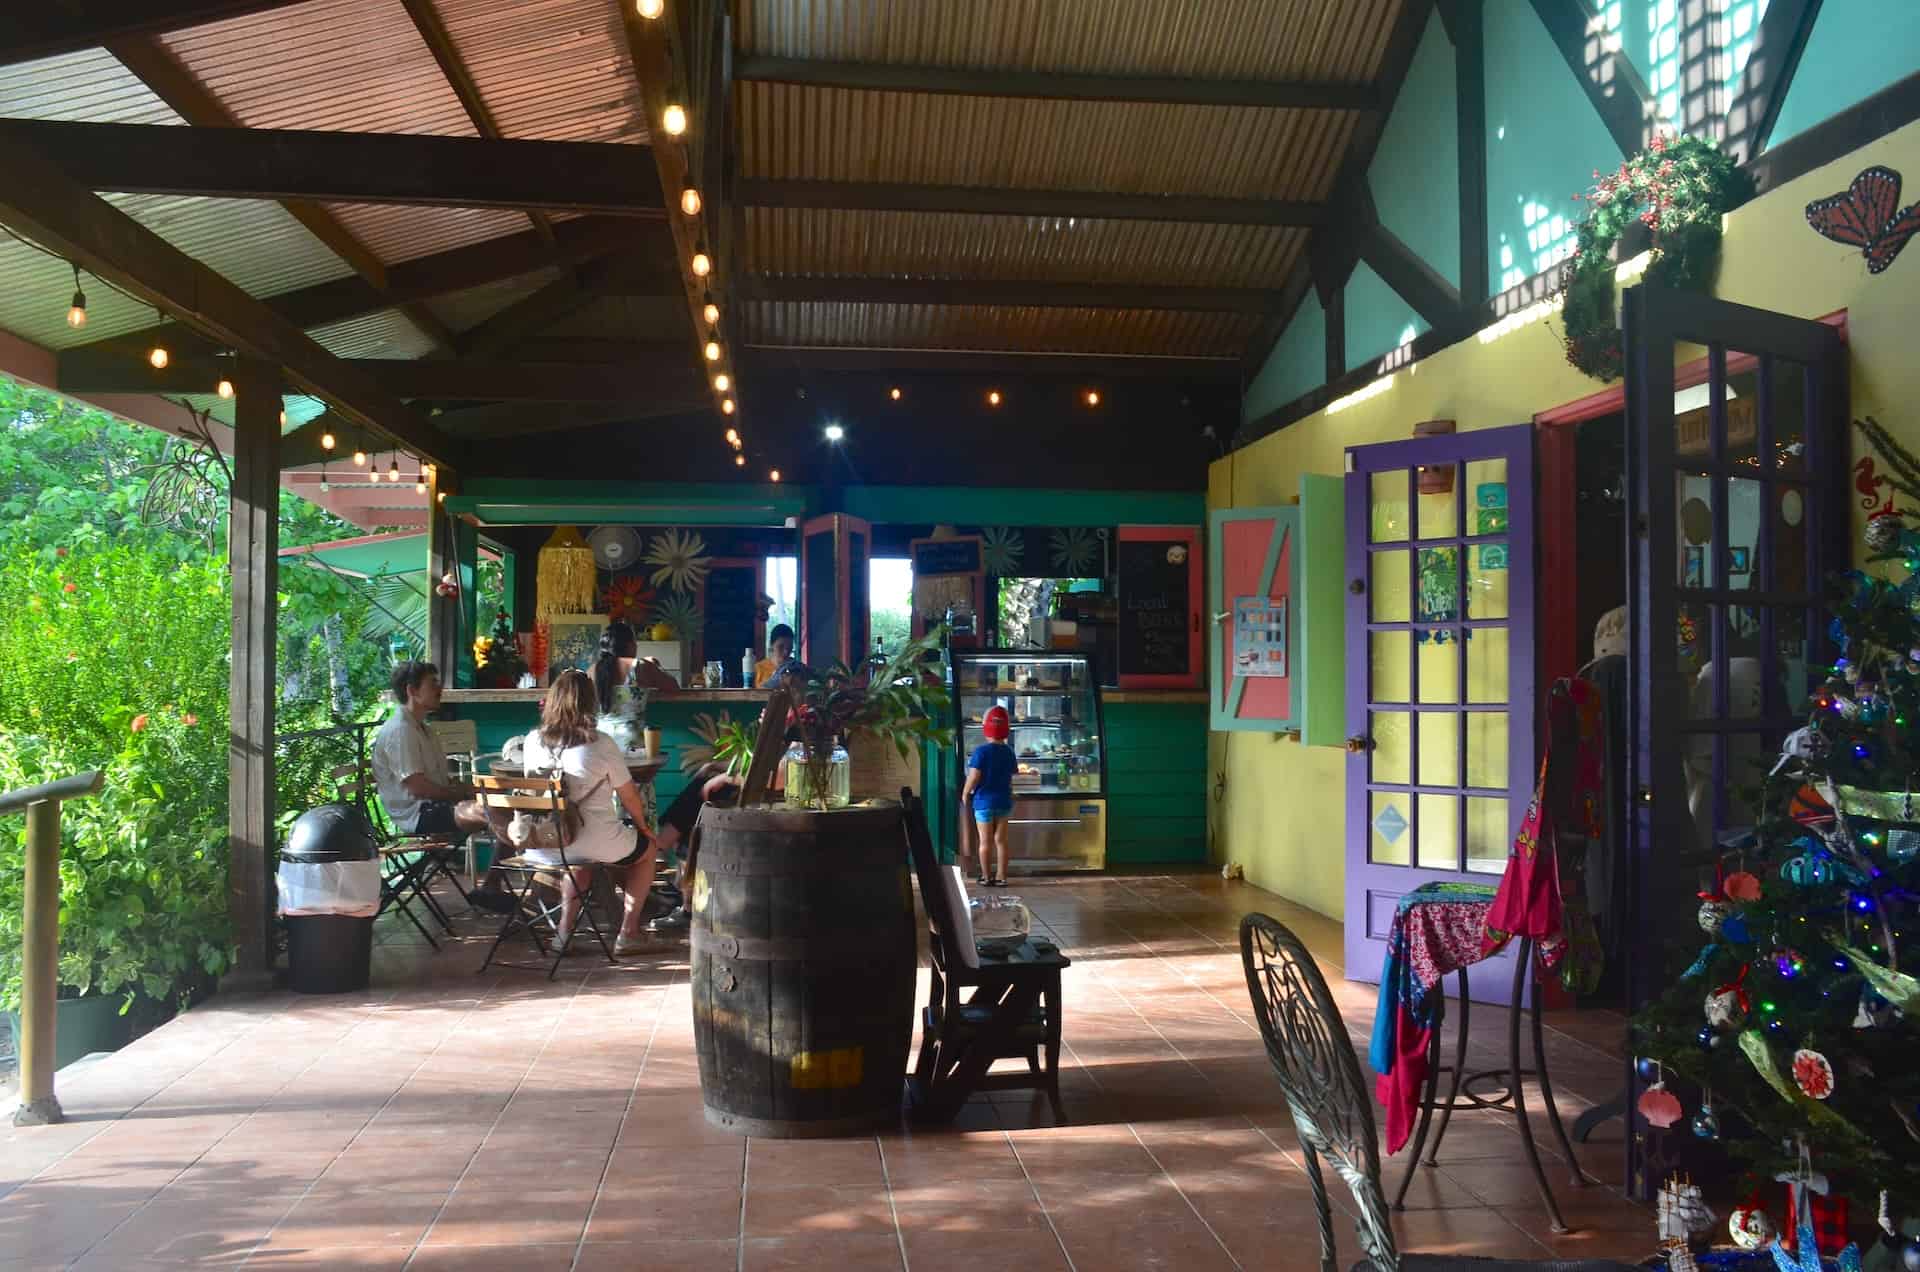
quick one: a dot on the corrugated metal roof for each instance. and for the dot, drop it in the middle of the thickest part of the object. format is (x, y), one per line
(35, 289)
(256, 245)
(790, 131)
(398, 233)
(1218, 39)
(553, 69)
(1037, 330)
(1060, 249)
(464, 310)
(91, 86)
(387, 334)
(343, 65)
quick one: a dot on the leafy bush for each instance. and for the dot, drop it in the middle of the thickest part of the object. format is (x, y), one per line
(116, 658)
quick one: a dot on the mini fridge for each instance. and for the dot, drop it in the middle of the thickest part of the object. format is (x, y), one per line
(1059, 819)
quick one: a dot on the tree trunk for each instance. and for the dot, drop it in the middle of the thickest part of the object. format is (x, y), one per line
(340, 690)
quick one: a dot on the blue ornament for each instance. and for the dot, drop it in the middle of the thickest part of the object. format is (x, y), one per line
(1708, 1038)
(1735, 929)
(1705, 1124)
(1808, 870)
(1701, 964)
(1646, 1069)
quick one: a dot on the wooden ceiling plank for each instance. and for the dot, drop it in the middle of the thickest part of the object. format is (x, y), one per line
(41, 202)
(29, 31)
(1010, 362)
(979, 291)
(1057, 86)
(874, 196)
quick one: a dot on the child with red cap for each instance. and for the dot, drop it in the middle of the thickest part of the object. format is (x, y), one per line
(989, 790)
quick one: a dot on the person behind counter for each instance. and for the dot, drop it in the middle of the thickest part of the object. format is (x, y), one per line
(595, 774)
(779, 654)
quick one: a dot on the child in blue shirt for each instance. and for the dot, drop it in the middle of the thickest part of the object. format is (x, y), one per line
(990, 791)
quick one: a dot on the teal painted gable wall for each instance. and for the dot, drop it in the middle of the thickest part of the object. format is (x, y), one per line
(1856, 48)
(1297, 364)
(1415, 175)
(1378, 320)
(1544, 141)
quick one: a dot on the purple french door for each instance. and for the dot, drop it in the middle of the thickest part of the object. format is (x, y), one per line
(1440, 674)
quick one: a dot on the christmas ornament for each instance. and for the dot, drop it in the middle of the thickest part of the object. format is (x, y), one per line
(1750, 1227)
(1681, 1217)
(1726, 1008)
(1903, 845)
(1706, 1124)
(1883, 532)
(1812, 1074)
(1808, 870)
(1647, 1070)
(448, 586)
(1708, 1038)
(1875, 1011)
(1788, 963)
(1659, 1107)
(1910, 1257)
(1712, 915)
(1741, 886)
(1734, 929)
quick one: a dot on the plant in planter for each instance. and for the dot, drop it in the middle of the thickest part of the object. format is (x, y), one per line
(725, 741)
(896, 703)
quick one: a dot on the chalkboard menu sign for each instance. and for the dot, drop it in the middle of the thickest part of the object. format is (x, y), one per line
(1156, 587)
(733, 615)
(946, 556)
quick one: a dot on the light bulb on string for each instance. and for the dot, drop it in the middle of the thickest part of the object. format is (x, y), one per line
(393, 469)
(674, 119)
(650, 9)
(726, 406)
(359, 455)
(77, 311)
(158, 356)
(1093, 397)
(702, 265)
(739, 461)
(774, 475)
(224, 388)
(722, 382)
(713, 351)
(993, 397)
(326, 440)
(894, 394)
(711, 312)
(420, 485)
(733, 437)
(283, 417)
(690, 201)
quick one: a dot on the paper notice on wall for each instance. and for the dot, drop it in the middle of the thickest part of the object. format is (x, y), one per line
(1259, 636)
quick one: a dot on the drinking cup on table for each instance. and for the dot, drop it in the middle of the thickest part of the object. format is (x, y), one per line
(653, 741)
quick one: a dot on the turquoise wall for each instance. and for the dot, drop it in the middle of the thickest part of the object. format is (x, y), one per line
(1415, 175)
(1156, 783)
(1856, 48)
(1544, 142)
(1378, 320)
(1297, 364)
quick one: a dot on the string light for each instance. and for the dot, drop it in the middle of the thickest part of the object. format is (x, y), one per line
(993, 397)
(726, 406)
(326, 440)
(701, 264)
(674, 120)
(690, 201)
(359, 455)
(713, 351)
(712, 314)
(1093, 397)
(733, 437)
(224, 388)
(894, 394)
(739, 461)
(650, 9)
(420, 485)
(774, 475)
(393, 469)
(722, 382)
(158, 355)
(77, 312)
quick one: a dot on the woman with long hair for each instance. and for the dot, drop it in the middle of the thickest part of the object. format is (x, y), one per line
(618, 648)
(595, 775)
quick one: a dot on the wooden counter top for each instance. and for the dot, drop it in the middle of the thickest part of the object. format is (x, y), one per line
(457, 697)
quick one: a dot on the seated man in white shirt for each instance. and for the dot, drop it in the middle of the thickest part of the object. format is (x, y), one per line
(410, 769)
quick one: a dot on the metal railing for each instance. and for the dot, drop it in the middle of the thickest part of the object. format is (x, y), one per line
(40, 939)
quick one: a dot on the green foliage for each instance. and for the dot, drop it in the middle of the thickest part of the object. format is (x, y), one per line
(898, 702)
(1679, 188)
(1832, 928)
(726, 741)
(89, 679)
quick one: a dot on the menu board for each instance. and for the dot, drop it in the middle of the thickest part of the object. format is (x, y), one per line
(733, 615)
(946, 556)
(1156, 611)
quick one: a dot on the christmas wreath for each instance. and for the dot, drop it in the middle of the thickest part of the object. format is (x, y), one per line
(1679, 188)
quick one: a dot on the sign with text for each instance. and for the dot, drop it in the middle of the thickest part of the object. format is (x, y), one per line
(946, 556)
(1158, 571)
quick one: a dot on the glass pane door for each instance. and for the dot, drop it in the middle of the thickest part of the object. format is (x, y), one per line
(1440, 700)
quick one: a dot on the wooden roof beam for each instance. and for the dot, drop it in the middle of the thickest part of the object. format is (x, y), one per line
(1056, 86)
(624, 274)
(437, 379)
(1009, 362)
(977, 291)
(29, 31)
(347, 167)
(42, 203)
(874, 196)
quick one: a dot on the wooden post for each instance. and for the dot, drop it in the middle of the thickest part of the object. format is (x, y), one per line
(443, 558)
(39, 965)
(253, 556)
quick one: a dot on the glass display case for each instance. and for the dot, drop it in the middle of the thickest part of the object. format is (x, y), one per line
(1060, 786)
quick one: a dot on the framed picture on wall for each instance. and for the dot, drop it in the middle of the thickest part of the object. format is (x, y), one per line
(1694, 573)
(1739, 561)
(573, 641)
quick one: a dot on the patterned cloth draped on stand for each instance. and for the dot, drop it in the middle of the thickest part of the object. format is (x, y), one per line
(1440, 928)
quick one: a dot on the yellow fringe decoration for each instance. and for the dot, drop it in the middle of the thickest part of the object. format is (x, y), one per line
(565, 581)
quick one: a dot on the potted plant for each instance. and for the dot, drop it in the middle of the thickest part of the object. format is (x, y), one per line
(897, 704)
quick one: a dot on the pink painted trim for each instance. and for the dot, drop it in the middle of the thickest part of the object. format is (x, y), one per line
(1196, 571)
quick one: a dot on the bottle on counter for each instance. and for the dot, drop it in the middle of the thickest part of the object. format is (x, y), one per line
(746, 668)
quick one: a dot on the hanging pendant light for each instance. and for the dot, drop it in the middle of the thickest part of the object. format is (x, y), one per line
(77, 311)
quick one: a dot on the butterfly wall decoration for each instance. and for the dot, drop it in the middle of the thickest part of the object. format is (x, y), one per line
(1868, 215)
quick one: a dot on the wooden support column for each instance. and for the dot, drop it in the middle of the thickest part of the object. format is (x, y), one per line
(443, 613)
(1470, 98)
(253, 556)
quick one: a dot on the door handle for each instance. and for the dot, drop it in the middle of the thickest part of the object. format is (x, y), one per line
(1222, 617)
(1358, 587)
(1359, 742)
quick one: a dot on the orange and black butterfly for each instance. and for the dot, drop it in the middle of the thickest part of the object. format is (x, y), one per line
(1868, 215)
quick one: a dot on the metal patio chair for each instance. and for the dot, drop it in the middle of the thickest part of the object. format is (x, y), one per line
(1319, 1071)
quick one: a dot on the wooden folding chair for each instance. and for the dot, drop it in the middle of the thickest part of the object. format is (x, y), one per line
(532, 913)
(1012, 1013)
(408, 863)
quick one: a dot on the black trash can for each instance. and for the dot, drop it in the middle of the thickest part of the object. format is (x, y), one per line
(329, 887)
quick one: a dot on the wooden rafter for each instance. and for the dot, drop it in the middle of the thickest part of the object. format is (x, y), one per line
(1158, 90)
(30, 31)
(1468, 28)
(1763, 85)
(175, 85)
(1608, 78)
(1434, 298)
(436, 379)
(620, 274)
(412, 168)
(41, 202)
(980, 291)
(874, 196)
(422, 278)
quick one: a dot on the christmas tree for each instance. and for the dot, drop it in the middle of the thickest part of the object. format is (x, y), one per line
(1801, 1015)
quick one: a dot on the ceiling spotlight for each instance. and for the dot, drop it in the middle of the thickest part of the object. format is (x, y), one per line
(702, 265)
(77, 312)
(713, 351)
(224, 388)
(158, 357)
(993, 397)
(650, 9)
(1093, 397)
(726, 406)
(894, 394)
(326, 440)
(835, 432)
(674, 120)
(722, 382)
(711, 313)
(774, 475)
(690, 201)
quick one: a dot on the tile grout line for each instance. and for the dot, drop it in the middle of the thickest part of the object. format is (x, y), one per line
(746, 1175)
(1231, 1258)
(1052, 1227)
(893, 1207)
(580, 1246)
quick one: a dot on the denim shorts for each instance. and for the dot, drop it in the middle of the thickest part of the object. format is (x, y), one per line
(990, 811)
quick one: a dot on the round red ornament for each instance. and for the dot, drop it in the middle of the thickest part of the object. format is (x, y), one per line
(1812, 1073)
(1741, 886)
(1659, 1107)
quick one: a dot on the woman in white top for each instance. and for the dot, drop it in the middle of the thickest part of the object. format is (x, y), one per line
(595, 774)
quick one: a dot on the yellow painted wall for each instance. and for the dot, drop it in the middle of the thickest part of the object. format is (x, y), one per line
(1283, 814)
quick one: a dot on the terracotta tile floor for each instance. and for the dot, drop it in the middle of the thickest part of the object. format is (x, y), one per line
(448, 1120)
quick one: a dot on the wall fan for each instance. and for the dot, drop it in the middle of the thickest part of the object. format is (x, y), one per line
(614, 547)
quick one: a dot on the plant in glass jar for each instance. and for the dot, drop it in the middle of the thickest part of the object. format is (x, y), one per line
(896, 702)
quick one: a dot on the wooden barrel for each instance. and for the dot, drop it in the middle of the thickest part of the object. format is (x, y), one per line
(804, 965)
